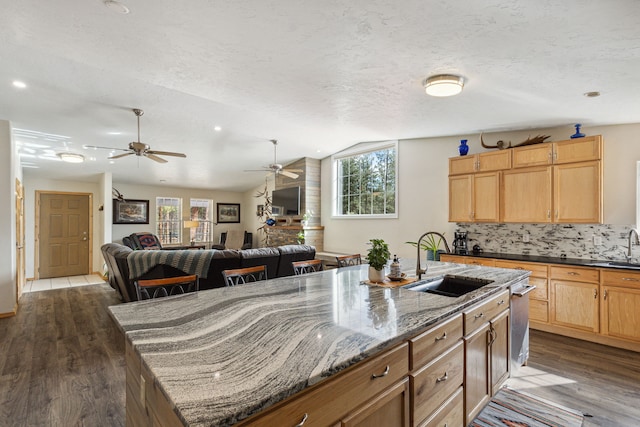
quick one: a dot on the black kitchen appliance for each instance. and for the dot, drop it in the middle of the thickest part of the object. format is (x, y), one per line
(460, 242)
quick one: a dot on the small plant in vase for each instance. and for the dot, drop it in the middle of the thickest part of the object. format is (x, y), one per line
(306, 218)
(377, 257)
(431, 245)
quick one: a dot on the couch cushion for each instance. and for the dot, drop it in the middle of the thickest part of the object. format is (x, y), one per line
(227, 259)
(261, 256)
(291, 253)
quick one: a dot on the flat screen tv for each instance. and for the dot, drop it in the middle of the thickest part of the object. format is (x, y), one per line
(285, 201)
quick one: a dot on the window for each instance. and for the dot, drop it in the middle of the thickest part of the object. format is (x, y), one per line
(366, 181)
(169, 220)
(202, 211)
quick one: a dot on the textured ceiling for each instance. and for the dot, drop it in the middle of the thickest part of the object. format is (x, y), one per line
(317, 76)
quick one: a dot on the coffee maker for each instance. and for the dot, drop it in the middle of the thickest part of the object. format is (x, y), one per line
(460, 243)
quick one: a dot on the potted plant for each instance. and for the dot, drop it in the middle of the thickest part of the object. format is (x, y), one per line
(377, 257)
(306, 218)
(431, 245)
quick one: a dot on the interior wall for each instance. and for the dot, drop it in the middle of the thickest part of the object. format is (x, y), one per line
(8, 160)
(149, 192)
(423, 187)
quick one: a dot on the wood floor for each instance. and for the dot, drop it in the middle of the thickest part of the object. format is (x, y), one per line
(62, 364)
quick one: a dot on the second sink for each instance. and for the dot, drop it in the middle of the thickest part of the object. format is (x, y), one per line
(449, 285)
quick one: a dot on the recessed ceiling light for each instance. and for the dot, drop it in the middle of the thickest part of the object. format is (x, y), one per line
(114, 133)
(71, 157)
(111, 162)
(19, 84)
(163, 180)
(593, 94)
(217, 128)
(116, 6)
(444, 85)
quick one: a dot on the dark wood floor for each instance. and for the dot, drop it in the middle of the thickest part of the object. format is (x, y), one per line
(62, 364)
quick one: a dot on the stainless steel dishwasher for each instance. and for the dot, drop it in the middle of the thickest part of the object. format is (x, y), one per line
(520, 324)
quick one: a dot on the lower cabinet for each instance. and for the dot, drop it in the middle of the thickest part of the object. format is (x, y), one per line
(620, 305)
(389, 408)
(574, 298)
(486, 349)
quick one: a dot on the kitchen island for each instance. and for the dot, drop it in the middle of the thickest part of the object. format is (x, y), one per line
(220, 356)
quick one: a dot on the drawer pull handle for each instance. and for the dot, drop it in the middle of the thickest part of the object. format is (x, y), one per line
(477, 316)
(605, 294)
(444, 336)
(595, 293)
(573, 273)
(384, 374)
(304, 420)
(442, 378)
(519, 268)
(501, 302)
(630, 279)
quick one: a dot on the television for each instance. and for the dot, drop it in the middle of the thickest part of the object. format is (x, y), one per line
(285, 201)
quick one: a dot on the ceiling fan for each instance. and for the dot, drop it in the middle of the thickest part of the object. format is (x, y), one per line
(138, 148)
(276, 167)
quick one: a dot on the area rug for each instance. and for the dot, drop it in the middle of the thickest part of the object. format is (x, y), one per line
(518, 409)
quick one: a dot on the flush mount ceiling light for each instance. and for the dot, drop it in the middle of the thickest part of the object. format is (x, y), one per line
(71, 157)
(116, 6)
(443, 85)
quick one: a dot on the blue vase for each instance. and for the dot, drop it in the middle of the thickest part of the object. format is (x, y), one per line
(578, 134)
(463, 148)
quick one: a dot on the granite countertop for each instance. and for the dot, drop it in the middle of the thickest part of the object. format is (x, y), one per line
(222, 355)
(554, 260)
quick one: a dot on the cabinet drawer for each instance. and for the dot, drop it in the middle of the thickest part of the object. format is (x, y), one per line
(625, 279)
(494, 161)
(532, 155)
(542, 288)
(576, 274)
(487, 262)
(539, 311)
(451, 413)
(536, 269)
(462, 165)
(480, 314)
(452, 258)
(434, 383)
(325, 404)
(426, 346)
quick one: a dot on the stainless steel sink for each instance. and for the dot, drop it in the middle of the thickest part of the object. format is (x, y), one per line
(617, 264)
(449, 285)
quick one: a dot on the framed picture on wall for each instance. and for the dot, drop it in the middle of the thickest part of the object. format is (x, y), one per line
(130, 211)
(228, 213)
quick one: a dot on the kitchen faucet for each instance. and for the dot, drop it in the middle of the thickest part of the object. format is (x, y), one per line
(636, 241)
(419, 270)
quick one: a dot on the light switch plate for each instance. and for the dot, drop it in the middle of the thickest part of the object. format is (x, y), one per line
(525, 237)
(597, 240)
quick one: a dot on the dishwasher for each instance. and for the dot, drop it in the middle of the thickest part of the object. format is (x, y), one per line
(519, 293)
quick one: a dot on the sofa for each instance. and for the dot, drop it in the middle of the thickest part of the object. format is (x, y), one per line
(277, 259)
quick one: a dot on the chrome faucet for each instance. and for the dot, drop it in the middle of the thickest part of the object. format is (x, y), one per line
(419, 270)
(636, 241)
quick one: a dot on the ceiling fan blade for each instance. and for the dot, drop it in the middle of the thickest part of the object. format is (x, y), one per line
(166, 153)
(121, 155)
(154, 157)
(289, 174)
(258, 170)
(294, 170)
(104, 148)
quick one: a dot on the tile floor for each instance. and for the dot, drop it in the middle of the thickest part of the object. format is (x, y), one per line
(62, 282)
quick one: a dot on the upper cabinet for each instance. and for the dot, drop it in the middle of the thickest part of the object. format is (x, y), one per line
(557, 182)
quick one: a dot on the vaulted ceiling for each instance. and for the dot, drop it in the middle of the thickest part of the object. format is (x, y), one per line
(317, 76)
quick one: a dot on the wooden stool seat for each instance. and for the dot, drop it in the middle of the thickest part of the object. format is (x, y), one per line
(241, 276)
(156, 288)
(308, 266)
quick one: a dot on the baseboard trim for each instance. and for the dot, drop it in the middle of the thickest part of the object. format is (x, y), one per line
(11, 313)
(586, 336)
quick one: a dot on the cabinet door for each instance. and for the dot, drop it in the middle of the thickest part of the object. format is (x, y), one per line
(494, 161)
(486, 201)
(532, 155)
(621, 312)
(389, 408)
(476, 376)
(577, 150)
(499, 337)
(462, 165)
(526, 195)
(574, 305)
(578, 192)
(460, 198)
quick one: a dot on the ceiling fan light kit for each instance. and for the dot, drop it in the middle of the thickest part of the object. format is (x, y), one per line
(443, 85)
(71, 157)
(276, 167)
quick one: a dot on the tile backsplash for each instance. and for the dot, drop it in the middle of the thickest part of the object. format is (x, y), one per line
(573, 240)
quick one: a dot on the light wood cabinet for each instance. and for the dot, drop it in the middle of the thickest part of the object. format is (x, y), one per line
(577, 192)
(389, 408)
(450, 414)
(483, 162)
(474, 198)
(486, 341)
(539, 297)
(526, 195)
(574, 298)
(559, 152)
(461, 259)
(620, 306)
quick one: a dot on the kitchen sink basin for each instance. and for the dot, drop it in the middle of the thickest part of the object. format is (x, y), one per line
(617, 264)
(449, 285)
